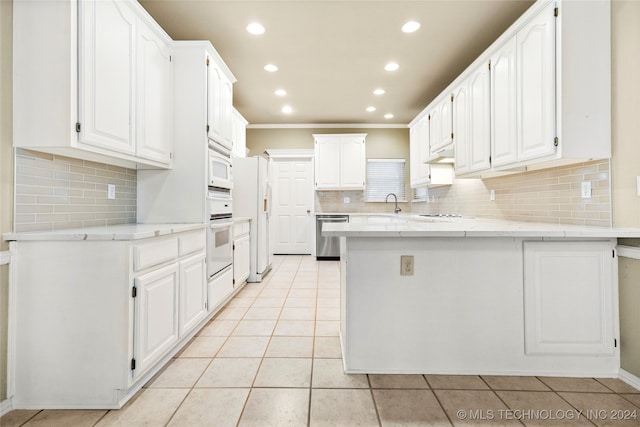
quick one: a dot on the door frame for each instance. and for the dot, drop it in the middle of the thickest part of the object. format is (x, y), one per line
(292, 155)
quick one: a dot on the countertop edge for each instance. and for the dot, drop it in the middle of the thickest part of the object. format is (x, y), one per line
(121, 232)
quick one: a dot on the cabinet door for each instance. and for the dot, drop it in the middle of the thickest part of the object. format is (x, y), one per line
(461, 128)
(239, 136)
(419, 147)
(226, 111)
(193, 292)
(479, 120)
(219, 288)
(245, 253)
(107, 74)
(536, 86)
(352, 163)
(442, 124)
(241, 254)
(568, 298)
(414, 155)
(327, 164)
(214, 93)
(154, 137)
(156, 316)
(503, 105)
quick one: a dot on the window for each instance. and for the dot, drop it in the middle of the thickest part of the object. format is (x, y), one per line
(385, 176)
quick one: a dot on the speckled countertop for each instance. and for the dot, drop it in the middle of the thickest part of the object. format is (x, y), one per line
(111, 232)
(416, 226)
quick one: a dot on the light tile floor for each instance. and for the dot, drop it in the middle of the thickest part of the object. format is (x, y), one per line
(272, 357)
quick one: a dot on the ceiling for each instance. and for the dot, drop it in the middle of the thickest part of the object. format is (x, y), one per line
(331, 54)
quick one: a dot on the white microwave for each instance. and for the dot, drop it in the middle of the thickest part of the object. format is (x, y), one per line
(219, 171)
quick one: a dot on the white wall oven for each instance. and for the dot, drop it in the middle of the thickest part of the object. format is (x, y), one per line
(219, 238)
(220, 245)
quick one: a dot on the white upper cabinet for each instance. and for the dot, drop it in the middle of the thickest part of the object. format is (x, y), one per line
(154, 134)
(239, 134)
(535, 53)
(524, 94)
(441, 124)
(327, 163)
(419, 152)
(471, 122)
(106, 92)
(107, 75)
(550, 103)
(340, 162)
(219, 103)
(503, 105)
(352, 162)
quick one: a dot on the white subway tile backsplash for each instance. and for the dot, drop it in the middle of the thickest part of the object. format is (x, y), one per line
(56, 192)
(548, 195)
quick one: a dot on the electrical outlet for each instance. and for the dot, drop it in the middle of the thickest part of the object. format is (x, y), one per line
(586, 189)
(406, 265)
(347, 200)
(111, 191)
(492, 194)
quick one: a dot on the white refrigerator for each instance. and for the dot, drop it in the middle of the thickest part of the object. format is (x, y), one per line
(252, 199)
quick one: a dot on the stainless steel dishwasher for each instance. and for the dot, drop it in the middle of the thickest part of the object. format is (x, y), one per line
(328, 247)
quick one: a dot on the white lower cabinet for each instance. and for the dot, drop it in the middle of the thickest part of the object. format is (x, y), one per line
(98, 318)
(219, 288)
(241, 252)
(569, 298)
(156, 316)
(193, 292)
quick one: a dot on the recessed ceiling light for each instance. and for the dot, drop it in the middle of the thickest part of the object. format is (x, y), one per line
(378, 92)
(410, 27)
(270, 68)
(255, 28)
(391, 66)
(371, 109)
(388, 116)
(287, 109)
(281, 92)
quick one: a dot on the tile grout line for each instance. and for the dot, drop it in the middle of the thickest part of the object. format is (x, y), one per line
(313, 345)
(433, 391)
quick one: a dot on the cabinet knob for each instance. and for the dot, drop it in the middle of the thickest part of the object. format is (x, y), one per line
(308, 211)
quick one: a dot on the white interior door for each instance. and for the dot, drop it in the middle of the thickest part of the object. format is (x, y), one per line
(293, 219)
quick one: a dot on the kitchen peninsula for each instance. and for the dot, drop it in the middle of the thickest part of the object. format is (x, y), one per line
(478, 296)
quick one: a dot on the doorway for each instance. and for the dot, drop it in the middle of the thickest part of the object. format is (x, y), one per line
(293, 219)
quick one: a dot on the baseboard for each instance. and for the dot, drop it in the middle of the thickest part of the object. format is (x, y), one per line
(629, 378)
(6, 406)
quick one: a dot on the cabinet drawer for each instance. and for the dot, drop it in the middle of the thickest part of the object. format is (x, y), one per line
(192, 242)
(154, 253)
(241, 228)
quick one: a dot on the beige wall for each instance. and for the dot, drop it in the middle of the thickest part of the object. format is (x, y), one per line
(6, 172)
(380, 143)
(625, 102)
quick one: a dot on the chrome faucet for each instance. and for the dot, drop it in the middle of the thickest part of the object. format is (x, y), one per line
(386, 199)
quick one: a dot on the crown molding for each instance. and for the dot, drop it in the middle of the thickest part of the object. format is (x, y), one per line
(327, 126)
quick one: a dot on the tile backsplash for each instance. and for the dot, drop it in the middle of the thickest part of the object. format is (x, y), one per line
(548, 195)
(55, 192)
